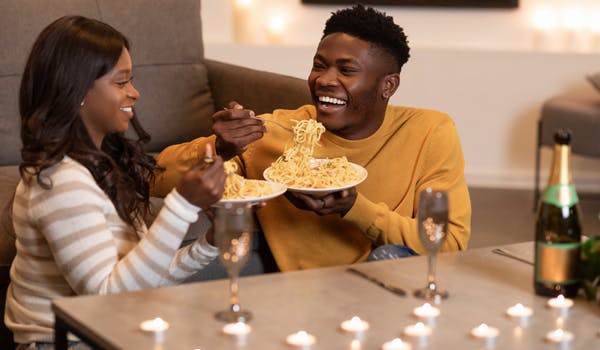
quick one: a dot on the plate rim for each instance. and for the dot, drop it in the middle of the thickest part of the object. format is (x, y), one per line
(278, 192)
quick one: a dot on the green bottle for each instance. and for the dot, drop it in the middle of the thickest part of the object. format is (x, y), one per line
(558, 228)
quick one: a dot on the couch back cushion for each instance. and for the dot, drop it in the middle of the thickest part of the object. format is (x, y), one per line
(166, 49)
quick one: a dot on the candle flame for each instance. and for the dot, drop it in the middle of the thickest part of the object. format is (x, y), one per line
(243, 3)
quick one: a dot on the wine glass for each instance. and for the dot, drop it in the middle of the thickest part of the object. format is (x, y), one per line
(432, 221)
(233, 235)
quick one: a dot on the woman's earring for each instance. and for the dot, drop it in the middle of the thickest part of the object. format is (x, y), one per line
(82, 103)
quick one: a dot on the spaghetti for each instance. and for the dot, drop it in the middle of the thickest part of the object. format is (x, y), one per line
(296, 167)
(237, 187)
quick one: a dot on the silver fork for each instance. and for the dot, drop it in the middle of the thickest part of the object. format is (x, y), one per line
(274, 122)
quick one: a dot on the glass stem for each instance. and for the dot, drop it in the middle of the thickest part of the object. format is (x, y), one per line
(234, 301)
(431, 273)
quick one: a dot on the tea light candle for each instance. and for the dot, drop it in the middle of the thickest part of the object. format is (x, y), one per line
(485, 332)
(158, 326)
(276, 29)
(521, 312)
(355, 325)
(396, 344)
(561, 304)
(560, 336)
(242, 21)
(238, 329)
(427, 312)
(301, 339)
(418, 331)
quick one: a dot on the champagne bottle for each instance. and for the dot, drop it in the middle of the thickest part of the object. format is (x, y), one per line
(558, 228)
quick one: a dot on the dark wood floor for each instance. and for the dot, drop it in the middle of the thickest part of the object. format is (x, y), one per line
(503, 216)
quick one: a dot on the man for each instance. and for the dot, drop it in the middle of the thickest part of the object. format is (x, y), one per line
(355, 71)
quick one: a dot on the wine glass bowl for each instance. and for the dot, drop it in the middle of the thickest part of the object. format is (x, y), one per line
(233, 235)
(432, 221)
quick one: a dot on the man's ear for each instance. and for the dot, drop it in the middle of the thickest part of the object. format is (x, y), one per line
(390, 85)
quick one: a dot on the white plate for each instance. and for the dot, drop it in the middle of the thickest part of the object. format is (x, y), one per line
(320, 192)
(278, 189)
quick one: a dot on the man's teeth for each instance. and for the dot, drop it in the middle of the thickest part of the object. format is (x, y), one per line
(127, 109)
(332, 100)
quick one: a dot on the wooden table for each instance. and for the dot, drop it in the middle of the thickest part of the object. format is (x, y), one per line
(482, 286)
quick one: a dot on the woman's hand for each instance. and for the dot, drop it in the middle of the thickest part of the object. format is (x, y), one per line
(204, 183)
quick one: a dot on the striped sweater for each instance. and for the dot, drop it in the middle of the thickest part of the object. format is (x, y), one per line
(71, 241)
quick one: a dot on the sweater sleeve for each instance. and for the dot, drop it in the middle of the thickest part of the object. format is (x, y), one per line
(80, 232)
(442, 168)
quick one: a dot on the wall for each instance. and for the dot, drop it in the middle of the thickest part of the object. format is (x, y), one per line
(480, 66)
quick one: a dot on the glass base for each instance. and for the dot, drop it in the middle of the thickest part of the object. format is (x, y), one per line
(232, 317)
(434, 295)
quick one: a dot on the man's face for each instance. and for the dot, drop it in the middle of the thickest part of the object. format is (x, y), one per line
(346, 81)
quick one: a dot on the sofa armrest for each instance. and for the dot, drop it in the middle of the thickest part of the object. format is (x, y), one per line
(257, 90)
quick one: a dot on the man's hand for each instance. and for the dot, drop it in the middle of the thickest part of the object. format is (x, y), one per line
(235, 128)
(334, 203)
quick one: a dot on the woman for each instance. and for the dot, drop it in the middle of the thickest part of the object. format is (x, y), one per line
(84, 186)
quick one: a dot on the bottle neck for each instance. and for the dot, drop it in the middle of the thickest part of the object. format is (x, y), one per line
(560, 173)
(560, 191)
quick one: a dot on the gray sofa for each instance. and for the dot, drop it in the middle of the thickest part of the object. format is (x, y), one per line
(180, 89)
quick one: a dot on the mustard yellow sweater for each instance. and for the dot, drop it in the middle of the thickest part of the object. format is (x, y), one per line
(413, 149)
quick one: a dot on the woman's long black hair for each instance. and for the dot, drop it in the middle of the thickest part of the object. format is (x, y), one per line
(67, 57)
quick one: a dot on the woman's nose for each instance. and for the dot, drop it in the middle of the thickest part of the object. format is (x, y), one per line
(132, 92)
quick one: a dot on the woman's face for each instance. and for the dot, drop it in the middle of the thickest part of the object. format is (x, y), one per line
(108, 105)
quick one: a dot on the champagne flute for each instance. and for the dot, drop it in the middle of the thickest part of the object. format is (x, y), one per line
(233, 234)
(432, 221)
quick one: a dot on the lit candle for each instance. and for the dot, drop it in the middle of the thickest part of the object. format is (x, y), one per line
(301, 339)
(238, 329)
(561, 304)
(521, 312)
(158, 326)
(418, 331)
(276, 29)
(427, 312)
(396, 344)
(355, 325)
(485, 332)
(242, 30)
(573, 21)
(560, 336)
(594, 27)
(545, 25)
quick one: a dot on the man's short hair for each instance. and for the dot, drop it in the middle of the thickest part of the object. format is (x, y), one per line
(373, 26)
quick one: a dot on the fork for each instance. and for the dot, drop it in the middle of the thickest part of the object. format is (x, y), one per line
(270, 121)
(274, 122)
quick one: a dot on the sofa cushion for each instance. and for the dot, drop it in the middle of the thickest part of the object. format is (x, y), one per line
(168, 56)
(9, 178)
(166, 39)
(16, 38)
(179, 111)
(10, 150)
